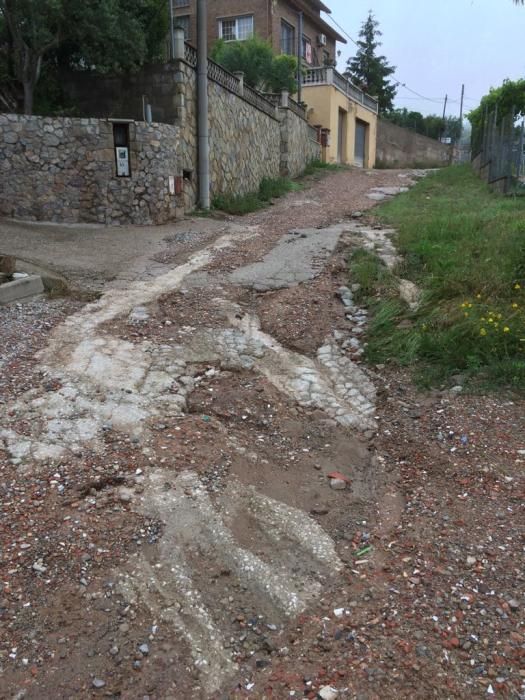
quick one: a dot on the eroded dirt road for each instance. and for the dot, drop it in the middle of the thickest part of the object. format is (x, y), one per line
(170, 527)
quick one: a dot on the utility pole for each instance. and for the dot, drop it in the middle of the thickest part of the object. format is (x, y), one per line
(202, 104)
(461, 112)
(444, 129)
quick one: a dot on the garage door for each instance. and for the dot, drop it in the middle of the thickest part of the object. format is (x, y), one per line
(360, 143)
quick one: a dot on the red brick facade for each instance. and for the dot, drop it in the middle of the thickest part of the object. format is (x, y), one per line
(268, 17)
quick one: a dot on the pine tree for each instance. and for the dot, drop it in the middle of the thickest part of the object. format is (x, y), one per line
(369, 71)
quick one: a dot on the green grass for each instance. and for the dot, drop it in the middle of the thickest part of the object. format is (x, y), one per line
(318, 166)
(270, 188)
(465, 247)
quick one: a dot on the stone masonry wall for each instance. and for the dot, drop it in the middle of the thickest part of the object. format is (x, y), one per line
(298, 144)
(63, 169)
(245, 143)
(402, 148)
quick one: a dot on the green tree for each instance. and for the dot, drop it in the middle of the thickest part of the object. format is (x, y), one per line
(431, 125)
(369, 70)
(254, 57)
(33, 27)
(106, 35)
(508, 98)
(112, 35)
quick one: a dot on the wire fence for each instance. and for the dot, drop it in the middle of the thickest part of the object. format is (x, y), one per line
(498, 152)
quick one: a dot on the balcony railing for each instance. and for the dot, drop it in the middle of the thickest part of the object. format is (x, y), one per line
(329, 76)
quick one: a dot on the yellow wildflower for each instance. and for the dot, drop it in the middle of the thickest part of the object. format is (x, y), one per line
(515, 306)
(506, 329)
(491, 320)
(517, 286)
(483, 331)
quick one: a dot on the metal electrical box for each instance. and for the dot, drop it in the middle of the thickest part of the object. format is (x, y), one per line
(122, 155)
(122, 150)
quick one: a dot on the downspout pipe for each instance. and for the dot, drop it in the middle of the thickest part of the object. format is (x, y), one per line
(300, 58)
(202, 105)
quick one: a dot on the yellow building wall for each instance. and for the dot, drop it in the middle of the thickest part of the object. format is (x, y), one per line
(324, 103)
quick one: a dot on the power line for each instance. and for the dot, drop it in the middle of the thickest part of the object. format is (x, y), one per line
(398, 82)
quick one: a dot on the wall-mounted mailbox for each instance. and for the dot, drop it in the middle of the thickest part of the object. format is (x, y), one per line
(326, 139)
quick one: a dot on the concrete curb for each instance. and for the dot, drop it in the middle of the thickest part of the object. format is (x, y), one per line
(20, 289)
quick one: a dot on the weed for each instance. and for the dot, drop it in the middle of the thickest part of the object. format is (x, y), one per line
(318, 165)
(464, 246)
(270, 188)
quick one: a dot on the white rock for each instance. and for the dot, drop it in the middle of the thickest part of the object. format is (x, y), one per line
(328, 692)
(337, 484)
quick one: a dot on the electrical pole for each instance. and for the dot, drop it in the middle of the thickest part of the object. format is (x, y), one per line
(444, 128)
(202, 102)
(461, 112)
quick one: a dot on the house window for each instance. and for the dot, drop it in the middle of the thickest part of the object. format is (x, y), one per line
(181, 3)
(288, 39)
(307, 50)
(236, 28)
(183, 21)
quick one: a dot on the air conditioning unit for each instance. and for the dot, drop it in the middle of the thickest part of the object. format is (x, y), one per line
(321, 39)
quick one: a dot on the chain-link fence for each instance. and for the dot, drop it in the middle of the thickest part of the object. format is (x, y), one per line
(498, 152)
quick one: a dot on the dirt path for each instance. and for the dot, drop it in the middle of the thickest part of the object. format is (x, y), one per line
(170, 525)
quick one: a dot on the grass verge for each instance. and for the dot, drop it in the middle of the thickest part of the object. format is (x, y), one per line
(270, 188)
(318, 166)
(465, 248)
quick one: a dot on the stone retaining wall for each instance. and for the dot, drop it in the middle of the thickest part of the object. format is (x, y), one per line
(63, 170)
(402, 148)
(298, 144)
(246, 143)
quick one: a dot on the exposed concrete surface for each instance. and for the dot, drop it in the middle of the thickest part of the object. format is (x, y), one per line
(297, 258)
(167, 588)
(90, 256)
(21, 289)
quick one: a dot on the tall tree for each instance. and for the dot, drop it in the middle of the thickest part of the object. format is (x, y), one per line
(370, 70)
(33, 27)
(105, 35)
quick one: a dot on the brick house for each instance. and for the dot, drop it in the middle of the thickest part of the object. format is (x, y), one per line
(346, 114)
(274, 20)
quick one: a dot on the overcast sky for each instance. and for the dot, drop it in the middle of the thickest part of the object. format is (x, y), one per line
(436, 46)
